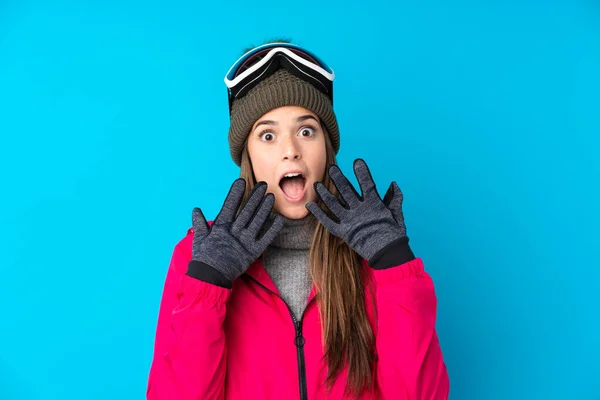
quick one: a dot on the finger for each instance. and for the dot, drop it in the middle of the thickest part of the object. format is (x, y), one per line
(327, 222)
(232, 202)
(329, 199)
(260, 217)
(363, 175)
(272, 232)
(343, 185)
(249, 208)
(199, 222)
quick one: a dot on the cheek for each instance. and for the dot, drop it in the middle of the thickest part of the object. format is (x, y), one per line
(257, 162)
(258, 169)
(262, 166)
(320, 162)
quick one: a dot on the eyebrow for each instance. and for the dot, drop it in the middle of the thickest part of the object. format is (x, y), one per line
(270, 122)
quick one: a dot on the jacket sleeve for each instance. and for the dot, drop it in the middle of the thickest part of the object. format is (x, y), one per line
(189, 359)
(411, 365)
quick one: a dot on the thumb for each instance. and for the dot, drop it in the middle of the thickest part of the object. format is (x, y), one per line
(393, 200)
(199, 222)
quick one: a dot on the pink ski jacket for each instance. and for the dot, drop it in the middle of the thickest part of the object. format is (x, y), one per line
(243, 343)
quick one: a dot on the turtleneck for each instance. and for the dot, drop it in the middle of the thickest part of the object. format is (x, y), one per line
(286, 261)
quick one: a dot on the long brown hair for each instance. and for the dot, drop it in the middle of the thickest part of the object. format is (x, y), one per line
(336, 271)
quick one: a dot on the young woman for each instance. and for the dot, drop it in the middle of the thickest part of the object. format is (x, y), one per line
(303, 287)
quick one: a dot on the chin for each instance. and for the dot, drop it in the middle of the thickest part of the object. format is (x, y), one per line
(293, 212)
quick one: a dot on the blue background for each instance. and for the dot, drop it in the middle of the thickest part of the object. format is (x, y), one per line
(113, 122)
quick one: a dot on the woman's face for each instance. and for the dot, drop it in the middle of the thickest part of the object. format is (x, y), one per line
(287, 150)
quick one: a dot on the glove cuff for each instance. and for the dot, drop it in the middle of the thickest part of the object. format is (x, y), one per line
(206, 273)
(396, 253)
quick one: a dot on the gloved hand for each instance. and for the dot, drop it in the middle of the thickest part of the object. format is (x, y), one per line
(225, 250)
(372, 227)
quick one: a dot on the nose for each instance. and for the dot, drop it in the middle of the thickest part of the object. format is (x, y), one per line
(291, 151)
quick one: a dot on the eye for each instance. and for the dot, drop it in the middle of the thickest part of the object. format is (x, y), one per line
(267, 136)
(307, 131)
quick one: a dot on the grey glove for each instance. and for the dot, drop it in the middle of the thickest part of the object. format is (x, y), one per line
(224, 251)
(370, 226)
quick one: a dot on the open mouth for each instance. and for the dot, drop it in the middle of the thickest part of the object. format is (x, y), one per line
(293, 186)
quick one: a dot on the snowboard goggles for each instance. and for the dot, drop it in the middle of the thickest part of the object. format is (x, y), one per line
(260, 62)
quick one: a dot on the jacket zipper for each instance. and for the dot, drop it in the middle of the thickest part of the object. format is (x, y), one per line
(298, 341)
